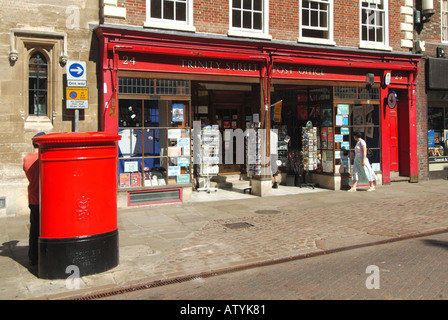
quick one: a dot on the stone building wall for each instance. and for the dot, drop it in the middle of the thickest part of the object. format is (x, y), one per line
(60, 31)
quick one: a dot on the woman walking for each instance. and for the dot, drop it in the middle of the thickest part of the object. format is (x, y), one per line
(361, 164)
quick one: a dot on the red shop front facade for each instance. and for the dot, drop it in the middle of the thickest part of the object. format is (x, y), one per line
(180, 102)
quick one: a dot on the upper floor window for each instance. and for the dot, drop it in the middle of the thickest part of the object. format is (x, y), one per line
(316, 21)
(248, 16)
(37, 85)
(170, 14)
(444, 20)
(374, 22)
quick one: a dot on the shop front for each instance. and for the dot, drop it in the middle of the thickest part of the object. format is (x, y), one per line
(338, 97)
(437, 95)
(182, 104)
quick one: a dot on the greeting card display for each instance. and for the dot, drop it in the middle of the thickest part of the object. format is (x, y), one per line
(253, 147)
(309, 147)
(210, 140)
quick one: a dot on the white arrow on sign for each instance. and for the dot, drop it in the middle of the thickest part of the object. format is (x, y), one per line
(78, 70)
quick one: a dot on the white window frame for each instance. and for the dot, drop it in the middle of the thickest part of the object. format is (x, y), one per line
(251, 33)
(374, 44)
(168, 23)
(330, 16)
(444, 21)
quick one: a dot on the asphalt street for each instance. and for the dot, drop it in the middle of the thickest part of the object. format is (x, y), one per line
(414, 269)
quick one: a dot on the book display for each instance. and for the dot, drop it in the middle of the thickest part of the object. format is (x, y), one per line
(210, 140)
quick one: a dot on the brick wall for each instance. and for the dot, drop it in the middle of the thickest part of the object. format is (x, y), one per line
(213, 17)
(430, 32)
(422, 124)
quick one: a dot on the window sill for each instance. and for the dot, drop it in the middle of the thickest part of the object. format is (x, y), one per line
(40, 123)
(161, 187)
(167, 26)
(244, 34)
(375, 46)
(316, 41)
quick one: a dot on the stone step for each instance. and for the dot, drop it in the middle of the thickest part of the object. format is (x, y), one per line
(399, 179)
(229, 181)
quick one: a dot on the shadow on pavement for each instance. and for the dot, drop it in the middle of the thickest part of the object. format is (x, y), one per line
(436, 243)
(17, 253)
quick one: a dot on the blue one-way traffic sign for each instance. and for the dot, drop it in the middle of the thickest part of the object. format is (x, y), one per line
(76, 71)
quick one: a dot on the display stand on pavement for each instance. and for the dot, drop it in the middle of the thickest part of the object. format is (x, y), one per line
(209, 156)
(309, 153)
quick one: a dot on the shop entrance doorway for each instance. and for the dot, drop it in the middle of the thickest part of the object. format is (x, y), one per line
(228, 106)
(229, 115)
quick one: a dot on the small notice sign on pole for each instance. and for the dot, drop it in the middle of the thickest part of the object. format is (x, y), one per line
(77, 93)
(77, 97)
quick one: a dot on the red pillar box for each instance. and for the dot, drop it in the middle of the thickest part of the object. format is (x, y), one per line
(78, 203)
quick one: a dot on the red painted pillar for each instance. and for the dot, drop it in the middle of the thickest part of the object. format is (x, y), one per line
(385, 136)
(108, 110)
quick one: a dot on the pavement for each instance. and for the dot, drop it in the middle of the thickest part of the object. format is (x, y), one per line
(228, 230)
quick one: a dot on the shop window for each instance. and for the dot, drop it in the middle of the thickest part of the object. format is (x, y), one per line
(336, 113)
(374, 23)
(437, 134)
(444, 20)
(353, 93)
(37, 85)
(172, 14)
(155, 146)
(316, 20)
(175, 87)
(153, 86)
(353, 109)
(136, 86)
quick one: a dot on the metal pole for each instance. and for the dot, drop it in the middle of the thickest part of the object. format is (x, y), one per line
(76, 120)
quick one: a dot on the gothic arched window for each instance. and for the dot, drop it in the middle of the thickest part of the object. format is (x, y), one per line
(38, 85)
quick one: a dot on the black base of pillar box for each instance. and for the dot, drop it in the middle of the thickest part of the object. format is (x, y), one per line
(90, 254)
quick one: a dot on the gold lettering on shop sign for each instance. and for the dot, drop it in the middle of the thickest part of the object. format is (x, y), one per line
(217, 65)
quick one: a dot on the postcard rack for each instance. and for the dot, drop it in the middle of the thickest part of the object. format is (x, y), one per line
(210, 140)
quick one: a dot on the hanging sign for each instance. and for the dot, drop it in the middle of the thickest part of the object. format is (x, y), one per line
(277, 111)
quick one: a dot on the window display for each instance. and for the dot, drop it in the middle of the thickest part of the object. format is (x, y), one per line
(335, 113)
(437, 134)
(360, 115)
(155, 146)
